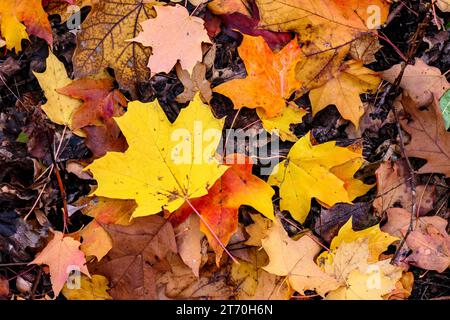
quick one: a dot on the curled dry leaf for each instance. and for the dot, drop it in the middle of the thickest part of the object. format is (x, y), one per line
(193, 83)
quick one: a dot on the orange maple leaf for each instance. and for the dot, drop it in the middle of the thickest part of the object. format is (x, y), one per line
(219, 208)
(270, 76)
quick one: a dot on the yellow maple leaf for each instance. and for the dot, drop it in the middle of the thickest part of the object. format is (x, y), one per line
(281, 124)
(295, 259)
(165, 163)
(94, 288)
(306, 174)
(378, 241)
(344, 89)
(59, 108)
(270, 76)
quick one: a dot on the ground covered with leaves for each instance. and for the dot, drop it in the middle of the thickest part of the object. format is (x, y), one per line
(224, 149)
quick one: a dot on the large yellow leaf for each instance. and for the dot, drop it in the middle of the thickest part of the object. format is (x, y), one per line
(173, 35)
(323, 25)
(101, 42)
(351, 80)
(270, 76)
(295, 259)
(306, 174)
(378, 241)
(165, 163)
(59, 108)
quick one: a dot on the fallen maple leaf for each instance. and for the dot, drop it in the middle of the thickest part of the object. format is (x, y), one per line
(270, 77)
(104, 138)
(93, 288)
(221, 7)
(306, 174)
(394, 188)
(186, 34)
(219, 208)
(429, 138)
(59, 108)
(295, 259)
(365, 48)
(162, 166)
(323, 24)
(429, 240)
(351, 80)
(258, 230)
(101, 100)
(31, 13)
(101, 42)
(62, 255)
(138, 253)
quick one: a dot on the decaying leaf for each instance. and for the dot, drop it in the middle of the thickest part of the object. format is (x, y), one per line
(101, 43)
(193, 83)
(429, 138)
(186, 34)
(62, 255)
(138, 253)
(166, 170)
(429, 240)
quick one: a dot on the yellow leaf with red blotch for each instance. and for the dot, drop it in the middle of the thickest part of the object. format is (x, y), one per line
(59, 108)
(29, 12)
(219, 208)
(165, 163)
(270, 77)
(101, 100)
(173, 35)
(62, 255)
(351, 80)
(295, 259)
(323, 25)
(307, 174)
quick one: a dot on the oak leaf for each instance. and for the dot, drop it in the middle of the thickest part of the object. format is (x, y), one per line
(94, 288)
(344, 91)
(165, 163)
(33, 16)
(61, 254)
(295, 259)
(138, 254)
(306, 174)
(101, 42)
(186, 34)
(420, 81)
(219, 208)
(59, 108)
(429, 138)
(270, 77)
